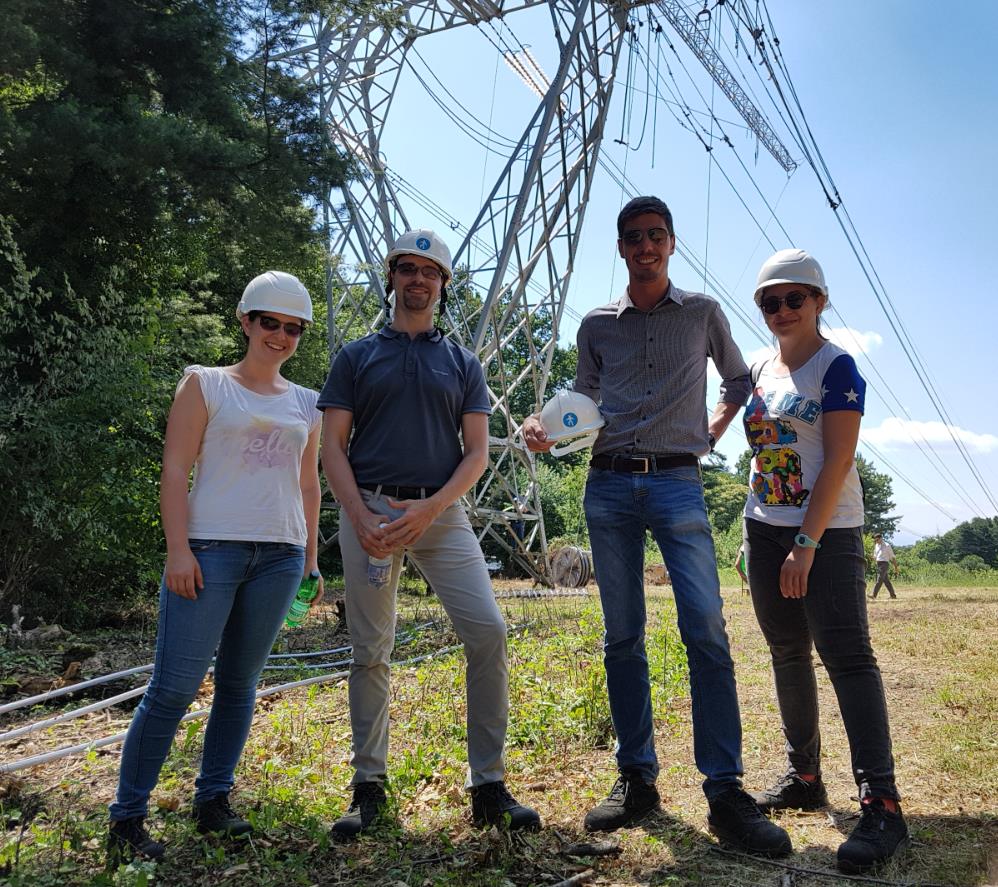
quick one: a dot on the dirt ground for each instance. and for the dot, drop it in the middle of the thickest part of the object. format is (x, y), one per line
(937, 649)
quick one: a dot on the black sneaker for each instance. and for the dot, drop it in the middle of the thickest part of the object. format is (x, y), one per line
(876, 838)
(369, 799)
(738, 822)
(492, 804)
(216, 816)
(794, 793)
(629, 799)
(128, 838)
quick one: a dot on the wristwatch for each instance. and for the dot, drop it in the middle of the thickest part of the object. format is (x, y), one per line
(711, 442)
(805, 541)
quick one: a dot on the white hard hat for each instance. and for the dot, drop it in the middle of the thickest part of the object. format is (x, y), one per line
(790, 266)
(571, 415)
(422, 242)
(276, 291)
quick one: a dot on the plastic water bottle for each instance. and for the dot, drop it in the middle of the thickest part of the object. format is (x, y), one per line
(307, 591)
(379, 569)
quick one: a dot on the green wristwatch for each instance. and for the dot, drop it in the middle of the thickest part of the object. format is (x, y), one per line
(805, 541)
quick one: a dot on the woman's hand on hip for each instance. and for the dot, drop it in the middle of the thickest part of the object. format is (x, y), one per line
(183, 574)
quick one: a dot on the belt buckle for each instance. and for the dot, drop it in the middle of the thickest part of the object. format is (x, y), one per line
(647, 462)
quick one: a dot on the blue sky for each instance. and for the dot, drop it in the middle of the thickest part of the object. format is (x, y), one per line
(902, 102)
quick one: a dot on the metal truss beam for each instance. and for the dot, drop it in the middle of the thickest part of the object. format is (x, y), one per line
(698, 40)
(515, 258)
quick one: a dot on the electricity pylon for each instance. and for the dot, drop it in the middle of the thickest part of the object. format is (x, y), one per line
(516, 256)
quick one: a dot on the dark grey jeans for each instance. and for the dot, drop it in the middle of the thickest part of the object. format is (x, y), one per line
(832, 615)
(884, 578)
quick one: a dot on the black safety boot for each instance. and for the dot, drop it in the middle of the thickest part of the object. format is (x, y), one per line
(739, 823)
(492, 804)
(630, 799)
(128, 839)
(369, 800)
(216, 816)
(876, 838)
(793, 793)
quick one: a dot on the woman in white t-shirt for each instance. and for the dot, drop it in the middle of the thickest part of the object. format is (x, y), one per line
(806, 564)
(238, 545)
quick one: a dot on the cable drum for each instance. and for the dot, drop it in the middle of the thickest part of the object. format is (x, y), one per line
(571, 567)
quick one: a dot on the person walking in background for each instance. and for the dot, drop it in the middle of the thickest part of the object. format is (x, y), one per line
(883, 556)
(806, 565)
(645, 358)
(238, 545)
(406, 435)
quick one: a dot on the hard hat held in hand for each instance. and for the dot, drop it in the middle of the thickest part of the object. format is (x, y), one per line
(790, 266)
(422, 242)
(570, 416)
(276, 291)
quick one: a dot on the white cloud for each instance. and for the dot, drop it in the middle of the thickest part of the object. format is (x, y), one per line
(854, 341)
(899, 433)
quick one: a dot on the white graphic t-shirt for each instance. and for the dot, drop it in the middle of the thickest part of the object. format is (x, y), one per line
(783, 424)
(247, 477)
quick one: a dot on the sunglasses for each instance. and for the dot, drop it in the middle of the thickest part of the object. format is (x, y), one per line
(409, 269)
(272, 325)
(794, 300)
(636, 235)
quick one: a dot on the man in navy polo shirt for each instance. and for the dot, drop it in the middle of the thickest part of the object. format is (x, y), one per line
(418, 409)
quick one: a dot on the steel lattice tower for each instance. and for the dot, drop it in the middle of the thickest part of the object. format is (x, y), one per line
(516, 257)
(517, 254)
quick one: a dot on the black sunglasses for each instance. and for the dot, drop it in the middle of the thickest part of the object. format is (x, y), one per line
(272, 325)
(636, 235)
(411, 269)
(794, 300)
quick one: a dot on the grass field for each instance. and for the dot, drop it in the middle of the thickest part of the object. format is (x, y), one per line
(937, 648)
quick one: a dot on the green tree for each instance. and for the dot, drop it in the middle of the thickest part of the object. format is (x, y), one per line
(724, 493)
(976, 538)
(134, 138)
(877, 502)
(148, 174)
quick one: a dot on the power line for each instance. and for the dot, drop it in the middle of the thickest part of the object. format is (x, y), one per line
(769, 50)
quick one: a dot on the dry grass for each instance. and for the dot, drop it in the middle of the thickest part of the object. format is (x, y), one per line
(937, 650)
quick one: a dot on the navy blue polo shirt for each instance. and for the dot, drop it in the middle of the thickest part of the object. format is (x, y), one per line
(407, 397)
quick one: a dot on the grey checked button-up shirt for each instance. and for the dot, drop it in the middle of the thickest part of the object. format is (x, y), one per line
(648, 372)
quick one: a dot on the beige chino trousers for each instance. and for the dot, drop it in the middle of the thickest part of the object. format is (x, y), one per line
(449, 556)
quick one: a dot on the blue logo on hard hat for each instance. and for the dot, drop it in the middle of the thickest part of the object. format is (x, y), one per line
(422, 243)
(570, 420)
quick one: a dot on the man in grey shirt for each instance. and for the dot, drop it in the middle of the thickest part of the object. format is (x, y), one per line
(644, 360)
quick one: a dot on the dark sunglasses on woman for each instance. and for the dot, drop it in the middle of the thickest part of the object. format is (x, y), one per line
(794, 300)
(272, 325)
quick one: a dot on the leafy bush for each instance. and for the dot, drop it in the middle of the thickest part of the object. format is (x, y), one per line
(78, 448)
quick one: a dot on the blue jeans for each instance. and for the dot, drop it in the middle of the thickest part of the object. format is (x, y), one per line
(248, 589)
(619, 508)
(832, 615)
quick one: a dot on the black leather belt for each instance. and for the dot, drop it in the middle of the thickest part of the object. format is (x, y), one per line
(643, 464)
(397, 492)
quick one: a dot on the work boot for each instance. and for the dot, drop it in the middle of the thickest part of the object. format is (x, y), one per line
(216, 816)
(369, 800)
(629, 799)
(738, 822)
(127, 839)
(876, 838)
(792, 792)
(492, 804)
